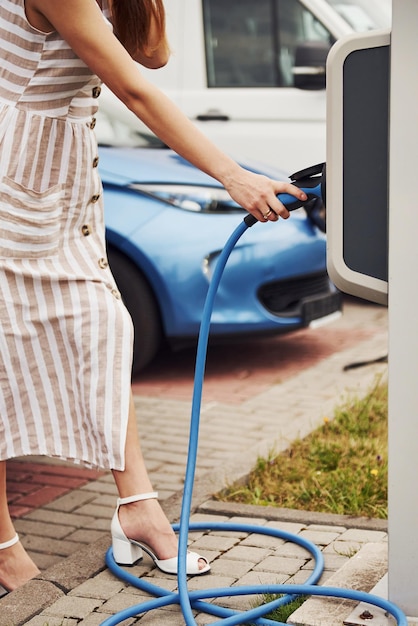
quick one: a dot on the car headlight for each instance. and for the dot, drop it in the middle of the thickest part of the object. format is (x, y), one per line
(191, 197)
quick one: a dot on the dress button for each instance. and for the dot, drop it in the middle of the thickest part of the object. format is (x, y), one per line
(95, 198)
(96, 92)
(116, 293)
(95, 161)
(92, 123)
(86, 230)
(103, 263)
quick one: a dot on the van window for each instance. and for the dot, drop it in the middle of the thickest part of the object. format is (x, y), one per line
(253, 44)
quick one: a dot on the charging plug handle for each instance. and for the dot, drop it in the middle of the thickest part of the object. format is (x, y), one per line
(311, 180)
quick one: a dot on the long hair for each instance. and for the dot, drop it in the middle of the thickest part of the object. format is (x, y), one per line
(132, 19)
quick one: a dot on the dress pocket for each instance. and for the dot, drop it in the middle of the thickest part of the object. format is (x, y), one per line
(29, 221)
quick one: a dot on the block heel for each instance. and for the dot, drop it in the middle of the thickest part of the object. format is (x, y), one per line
(125, 552)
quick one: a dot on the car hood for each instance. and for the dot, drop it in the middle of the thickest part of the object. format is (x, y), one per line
(124, 166)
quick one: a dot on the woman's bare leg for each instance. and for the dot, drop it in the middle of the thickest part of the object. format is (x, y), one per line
(144, 521)
(16, 566)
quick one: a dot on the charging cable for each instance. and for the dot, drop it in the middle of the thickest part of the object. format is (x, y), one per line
(190, 601)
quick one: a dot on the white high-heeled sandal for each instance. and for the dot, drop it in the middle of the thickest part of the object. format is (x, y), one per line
(3, 546)
(128, 551)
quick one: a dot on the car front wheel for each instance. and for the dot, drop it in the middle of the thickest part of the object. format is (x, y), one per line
(141, 304)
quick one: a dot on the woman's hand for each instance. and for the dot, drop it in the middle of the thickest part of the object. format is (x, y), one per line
(258, 194)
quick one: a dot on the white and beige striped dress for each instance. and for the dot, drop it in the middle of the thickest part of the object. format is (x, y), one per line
(65, 335)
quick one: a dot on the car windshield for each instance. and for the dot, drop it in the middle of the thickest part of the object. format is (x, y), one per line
(114, 132)
(364, 15)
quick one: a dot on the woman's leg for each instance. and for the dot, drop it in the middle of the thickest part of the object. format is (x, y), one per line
(145, 520)
(16, 566)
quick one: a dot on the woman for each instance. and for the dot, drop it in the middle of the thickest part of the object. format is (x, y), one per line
(66, 338)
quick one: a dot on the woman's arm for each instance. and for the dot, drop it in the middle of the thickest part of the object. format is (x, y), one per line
(81, 24)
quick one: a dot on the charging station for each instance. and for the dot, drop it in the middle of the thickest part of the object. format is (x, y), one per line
(372, 230)
(358, 164)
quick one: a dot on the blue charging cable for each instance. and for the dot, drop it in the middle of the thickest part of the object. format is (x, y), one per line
(194, 600)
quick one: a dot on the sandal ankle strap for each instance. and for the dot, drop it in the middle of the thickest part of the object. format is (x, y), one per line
(9, 544)
(138, 498)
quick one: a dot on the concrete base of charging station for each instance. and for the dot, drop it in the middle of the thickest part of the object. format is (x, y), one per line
(365, 571)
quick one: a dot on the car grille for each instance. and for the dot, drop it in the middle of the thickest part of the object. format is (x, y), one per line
(311, 297)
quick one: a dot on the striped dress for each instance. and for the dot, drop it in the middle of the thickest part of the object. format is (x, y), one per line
(65, 335)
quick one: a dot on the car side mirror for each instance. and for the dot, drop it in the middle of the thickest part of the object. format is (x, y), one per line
(310, 63)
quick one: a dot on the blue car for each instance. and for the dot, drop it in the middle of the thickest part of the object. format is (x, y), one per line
(166, 224)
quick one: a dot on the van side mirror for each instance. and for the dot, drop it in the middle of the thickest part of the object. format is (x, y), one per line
(310, 63)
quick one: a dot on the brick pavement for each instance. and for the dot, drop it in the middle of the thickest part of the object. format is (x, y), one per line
(268, 402)
(32, 485)
(238, 558)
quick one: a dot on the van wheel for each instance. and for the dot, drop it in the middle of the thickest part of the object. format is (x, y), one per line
(142, 306)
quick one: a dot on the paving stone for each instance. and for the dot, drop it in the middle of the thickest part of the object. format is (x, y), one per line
(280, 565)
(73, 607)
(294, 550)
(243, 553)
(219, 544)
(97, 619)
(87, 535)
(363, 536)
(203, 517)
(203, 619)
(263, 541)
(43, 529)
(71, 501)
(232, 569)
(287, 527)
(18, 607)
(100, 523)
(105, 500)
(102, 587)
(319, 537)
(254, 578)
(251, 521)
(99, 486)
(94, 510)
(122, 601)
(163, 618)
(85, 563)
(343, 548)
(48, 545)
(59, 518)
(334, 562)
(52, 621)
(323, 528)
(45, 561)
(17, 510)
(42, 496)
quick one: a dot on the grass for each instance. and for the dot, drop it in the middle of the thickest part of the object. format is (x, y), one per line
(339, 468)
(282, 613)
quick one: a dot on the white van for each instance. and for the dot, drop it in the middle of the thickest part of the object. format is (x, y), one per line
(251, 73)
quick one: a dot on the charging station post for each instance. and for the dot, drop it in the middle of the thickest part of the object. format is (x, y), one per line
(403, 301)
(372, 231)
